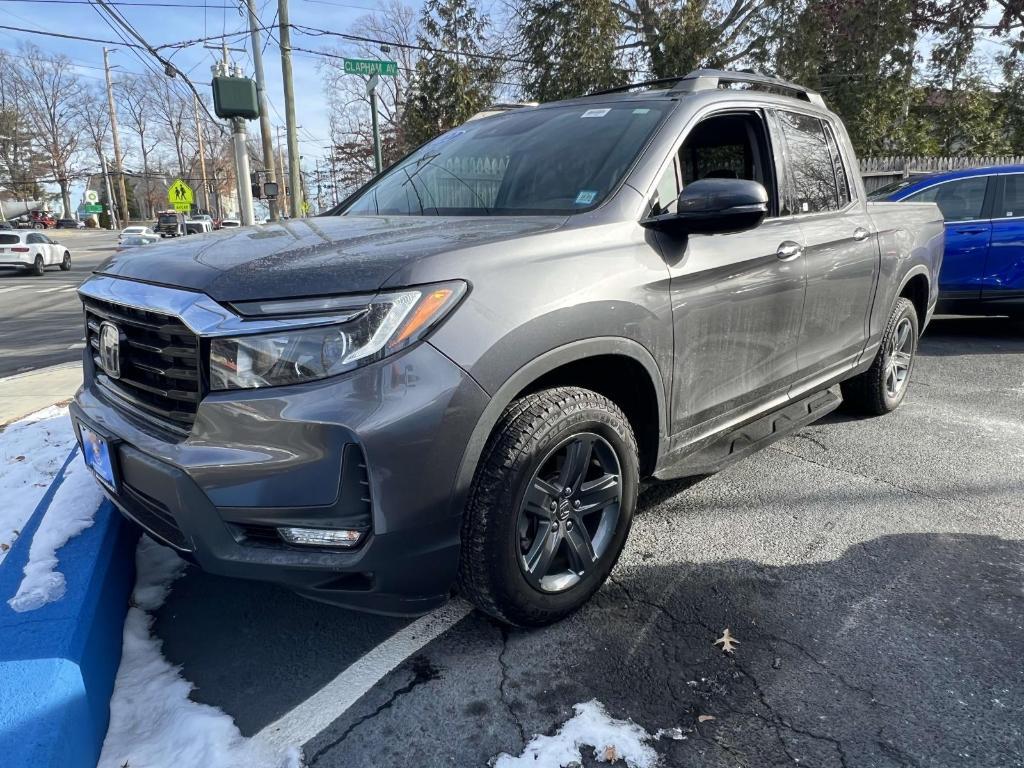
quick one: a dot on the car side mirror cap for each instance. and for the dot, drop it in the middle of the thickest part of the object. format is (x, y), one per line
(715, 206)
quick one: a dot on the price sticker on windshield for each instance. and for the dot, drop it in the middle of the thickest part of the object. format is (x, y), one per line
(596, 112)
(586, 197)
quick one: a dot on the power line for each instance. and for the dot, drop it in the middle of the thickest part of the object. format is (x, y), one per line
(120, 3)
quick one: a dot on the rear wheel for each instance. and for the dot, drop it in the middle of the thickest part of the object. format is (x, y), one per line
(65, 264)
(550, 507)
(882, 387)
(38, 267)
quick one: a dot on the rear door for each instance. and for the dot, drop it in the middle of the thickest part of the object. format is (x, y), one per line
(965, 205)
(840, 248)
(1003, 278)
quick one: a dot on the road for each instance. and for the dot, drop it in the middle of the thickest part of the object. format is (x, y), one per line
(41, 317)
(870, 569)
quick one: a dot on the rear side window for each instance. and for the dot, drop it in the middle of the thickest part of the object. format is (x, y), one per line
(960, 200)
(842, 181)
(1012, 205)
(812, 175)
(9, 239)
(33, 239)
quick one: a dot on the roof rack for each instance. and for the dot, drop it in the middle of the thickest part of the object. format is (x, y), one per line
(712, 79)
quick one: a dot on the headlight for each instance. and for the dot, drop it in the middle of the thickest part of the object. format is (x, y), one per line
(384, 325)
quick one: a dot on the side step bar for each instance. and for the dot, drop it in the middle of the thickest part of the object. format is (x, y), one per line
(718, 451)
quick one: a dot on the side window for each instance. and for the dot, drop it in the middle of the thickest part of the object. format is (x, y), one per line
(842, 180)
(666, 193)
(33, 239)
(733, 145)
(960, 200)
(1012, 205)
(810, 163)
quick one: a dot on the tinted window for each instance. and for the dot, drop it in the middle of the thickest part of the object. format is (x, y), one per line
(33, 239)
(9, 239)
(1013, 197)
(810, 164)
(560, 160)
(842, 181)
(958, 200)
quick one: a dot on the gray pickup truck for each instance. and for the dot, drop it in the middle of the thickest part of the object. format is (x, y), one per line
(461, 376)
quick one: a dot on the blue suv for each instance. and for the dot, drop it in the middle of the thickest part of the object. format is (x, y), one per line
(983, 269)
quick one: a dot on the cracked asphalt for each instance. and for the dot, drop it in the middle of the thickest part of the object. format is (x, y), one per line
(872, 571)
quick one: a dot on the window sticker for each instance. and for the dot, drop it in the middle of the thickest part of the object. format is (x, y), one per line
(586, 197)
(444, 138)
(641, 111)
(596, 112)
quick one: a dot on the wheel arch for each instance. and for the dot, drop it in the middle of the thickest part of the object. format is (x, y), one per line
(611, 366)
(916, 286)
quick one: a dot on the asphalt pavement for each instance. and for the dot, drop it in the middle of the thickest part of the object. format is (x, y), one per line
(871, 570)
(41, 317)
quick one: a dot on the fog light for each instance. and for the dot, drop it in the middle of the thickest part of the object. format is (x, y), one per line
(320, 537)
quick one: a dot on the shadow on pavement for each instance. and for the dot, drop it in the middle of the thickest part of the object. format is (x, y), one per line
(947, 336)
(903, 652)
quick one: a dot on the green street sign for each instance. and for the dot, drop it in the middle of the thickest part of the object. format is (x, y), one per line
(92, 208)
(371, 67)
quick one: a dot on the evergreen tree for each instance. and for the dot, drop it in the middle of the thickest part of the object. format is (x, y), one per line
(570, 47)
(453, 80)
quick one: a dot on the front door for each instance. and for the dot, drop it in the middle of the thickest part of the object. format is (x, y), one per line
(736, 298)
(1003, 280)
(968, 233)
(840, 248)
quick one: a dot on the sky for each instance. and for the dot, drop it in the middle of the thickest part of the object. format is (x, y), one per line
(190, 19)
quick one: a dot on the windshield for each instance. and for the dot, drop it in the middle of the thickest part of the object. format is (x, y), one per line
(168, 218)
(891, 189)
(555, 160)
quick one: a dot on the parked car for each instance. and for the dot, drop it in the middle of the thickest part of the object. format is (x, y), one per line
(70, 224)
(983, 269)
(448, 381)
(199, 226)
(6, 225)
(137, 230)
(171, 224)
(32, 252)
(229, 223)
(134, 241)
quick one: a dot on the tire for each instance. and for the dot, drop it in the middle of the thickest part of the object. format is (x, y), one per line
(38, 268)
(65, 264)
(873, 393)
(38, 226)
(511, 521)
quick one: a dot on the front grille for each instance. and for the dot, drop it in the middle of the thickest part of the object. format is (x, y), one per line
(153, 516)
(159, 363)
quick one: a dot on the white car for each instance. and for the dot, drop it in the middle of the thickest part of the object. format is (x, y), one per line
(136, 231)
(228, 223)
(32, 251)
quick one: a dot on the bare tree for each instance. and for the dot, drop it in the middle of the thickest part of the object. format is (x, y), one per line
(351, 133)
(175, 114)
(52, 94)
(135, 98)
(21, 164)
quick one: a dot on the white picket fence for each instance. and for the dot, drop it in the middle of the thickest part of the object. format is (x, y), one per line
(879, 171)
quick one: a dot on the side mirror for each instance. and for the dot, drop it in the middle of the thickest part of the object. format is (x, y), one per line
(715, 206)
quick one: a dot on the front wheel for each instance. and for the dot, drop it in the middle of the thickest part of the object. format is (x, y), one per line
(550, 507)
(65, 264)
(881, 388)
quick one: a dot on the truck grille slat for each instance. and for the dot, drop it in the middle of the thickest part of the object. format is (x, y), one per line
(159, 359)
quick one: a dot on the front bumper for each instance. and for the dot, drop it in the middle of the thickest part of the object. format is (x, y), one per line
(259, 459)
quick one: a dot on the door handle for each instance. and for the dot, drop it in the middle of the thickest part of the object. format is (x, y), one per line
(788, 250)
(860, 234)
(970, 230)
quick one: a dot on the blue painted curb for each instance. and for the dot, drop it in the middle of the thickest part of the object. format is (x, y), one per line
(58, 663)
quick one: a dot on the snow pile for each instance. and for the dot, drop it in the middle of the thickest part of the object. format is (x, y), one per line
(32, 451)
(153, 723)
(591, 726)
(71, 511)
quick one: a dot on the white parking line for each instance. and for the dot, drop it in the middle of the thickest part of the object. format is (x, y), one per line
(51, 290)
(11, 288)
(329, 703)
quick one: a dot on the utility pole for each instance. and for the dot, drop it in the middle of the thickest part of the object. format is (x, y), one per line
(261, 92)
(285, 36)
(371, 90)
(284, 178)
(334, 178)
(202, 154)
(117, 141)
(110, 196)
(241, 151)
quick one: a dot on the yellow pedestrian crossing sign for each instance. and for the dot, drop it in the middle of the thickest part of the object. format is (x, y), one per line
(180, 196)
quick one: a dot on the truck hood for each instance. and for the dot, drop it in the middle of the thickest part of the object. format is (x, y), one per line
(310, 257)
